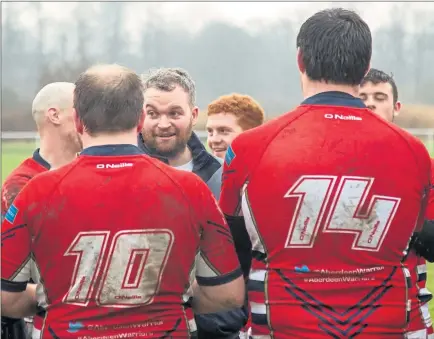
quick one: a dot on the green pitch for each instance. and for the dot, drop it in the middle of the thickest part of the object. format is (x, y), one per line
(14, 152)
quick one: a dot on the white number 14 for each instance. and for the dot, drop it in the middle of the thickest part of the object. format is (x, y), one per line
(313, 194)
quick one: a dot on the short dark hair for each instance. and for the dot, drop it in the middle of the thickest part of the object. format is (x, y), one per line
(108, 99)
(376, 77)
(336, 46)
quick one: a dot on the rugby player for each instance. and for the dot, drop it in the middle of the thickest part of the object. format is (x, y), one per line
(167, 134)
(115, 255)
(59, 144)
(379, 92)
(328, 220)
(171, 113)
(228, 116)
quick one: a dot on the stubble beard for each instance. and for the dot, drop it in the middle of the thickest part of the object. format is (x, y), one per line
(178, 146)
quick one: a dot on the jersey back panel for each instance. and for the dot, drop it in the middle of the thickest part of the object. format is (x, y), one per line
(330, 206)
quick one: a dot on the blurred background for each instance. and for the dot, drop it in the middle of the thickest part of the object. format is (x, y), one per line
(227, 47)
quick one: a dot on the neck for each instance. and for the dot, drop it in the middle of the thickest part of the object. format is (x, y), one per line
(56, 151)
(182, 158)
(124, 138)
(315, 87)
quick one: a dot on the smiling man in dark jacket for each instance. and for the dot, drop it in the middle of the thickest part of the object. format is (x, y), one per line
(168, 135)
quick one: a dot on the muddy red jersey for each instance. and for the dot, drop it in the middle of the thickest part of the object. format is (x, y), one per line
(330, 194)
(115, 253)
(13, 184)
(19, 177)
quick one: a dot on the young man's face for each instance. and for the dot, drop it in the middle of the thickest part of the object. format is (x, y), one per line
(222, 128)
(168, 122)
(379, 99)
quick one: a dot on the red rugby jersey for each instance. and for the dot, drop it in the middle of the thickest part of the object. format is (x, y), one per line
(115, 254)
(330, 194)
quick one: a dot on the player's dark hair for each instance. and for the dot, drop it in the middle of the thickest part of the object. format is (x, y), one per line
(376, 77)
(108, 99)
(336, 46)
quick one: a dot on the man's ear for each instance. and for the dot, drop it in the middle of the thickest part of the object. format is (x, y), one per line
(300, 63)
(141, 121)
(53, 115)
(77, 122)
(194, 115)
(397, 109)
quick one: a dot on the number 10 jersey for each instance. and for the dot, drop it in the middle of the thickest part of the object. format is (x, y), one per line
(115, 236)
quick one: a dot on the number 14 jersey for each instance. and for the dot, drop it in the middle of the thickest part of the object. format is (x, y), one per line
(330, 194)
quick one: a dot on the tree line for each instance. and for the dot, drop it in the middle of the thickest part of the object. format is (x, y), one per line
(221, 57)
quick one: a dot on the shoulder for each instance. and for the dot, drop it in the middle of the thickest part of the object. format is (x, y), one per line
(23, 170)
(405, 144)
(32, 196)
(43, 184)
(252, 143)
(383, 126)
(414, 144)
(16, 181)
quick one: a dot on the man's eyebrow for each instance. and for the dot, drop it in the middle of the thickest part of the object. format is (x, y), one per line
(175, 107)
(169, 108)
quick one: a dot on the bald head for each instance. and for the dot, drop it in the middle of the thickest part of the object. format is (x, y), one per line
(57, 96)
(106, 74)
(108, 99)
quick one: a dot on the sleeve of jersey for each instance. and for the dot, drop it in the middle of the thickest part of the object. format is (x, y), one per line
(9, 192)
(16, 246)
(216, 262)
(430, 207)
(233, 179)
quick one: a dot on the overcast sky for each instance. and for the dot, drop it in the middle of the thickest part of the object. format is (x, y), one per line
(193, 15)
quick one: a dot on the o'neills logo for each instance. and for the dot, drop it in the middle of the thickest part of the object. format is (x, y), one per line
(342, 117)
(121, 165)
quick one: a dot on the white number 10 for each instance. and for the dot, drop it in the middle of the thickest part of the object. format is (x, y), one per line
(133, 267)
(313, 194)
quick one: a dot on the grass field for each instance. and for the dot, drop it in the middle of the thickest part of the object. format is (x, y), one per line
(15, 152)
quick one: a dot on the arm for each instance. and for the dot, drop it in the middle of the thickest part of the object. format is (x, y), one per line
(234, 177)
(422, 241)
(219, 284)
(430, 207)
(10, 189)
(19, 304)
(17, 300)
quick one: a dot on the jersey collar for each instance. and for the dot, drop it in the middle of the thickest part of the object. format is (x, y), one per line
(40, 160)
(334, 98)
(112, 150)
